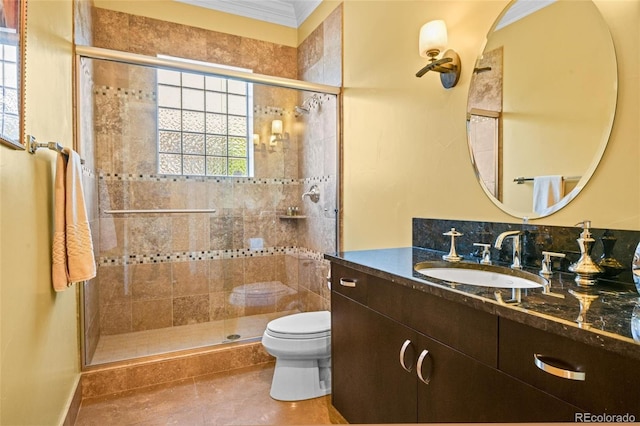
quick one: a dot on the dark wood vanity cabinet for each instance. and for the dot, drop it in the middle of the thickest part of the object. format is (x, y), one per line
(378, 338)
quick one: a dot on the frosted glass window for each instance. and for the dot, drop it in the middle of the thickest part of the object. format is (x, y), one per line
(170, 141)
(237, 125)
(11, 101)
(238, 147)
(204, 123)
(216, 145)
(238, 105)
(216, 83)
(170, 164)
(238, 87)
(9, 120)
(193, 121)
(192, 80)
(217, 123)
(169, 96)
(11, 75)
(169, 119)
(216, 102)
(193, 164)
(217, 166)
(193, 143)
(169, 77)
(193, 99)
(237, 167)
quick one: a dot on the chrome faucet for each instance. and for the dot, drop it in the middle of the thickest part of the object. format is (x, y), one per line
(517, 264)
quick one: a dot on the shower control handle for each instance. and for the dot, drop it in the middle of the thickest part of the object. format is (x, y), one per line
(313, 193)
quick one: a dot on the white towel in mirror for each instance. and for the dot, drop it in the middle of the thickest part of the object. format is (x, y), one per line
(547, 191)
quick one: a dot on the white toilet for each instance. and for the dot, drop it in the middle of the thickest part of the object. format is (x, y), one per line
(301, 344)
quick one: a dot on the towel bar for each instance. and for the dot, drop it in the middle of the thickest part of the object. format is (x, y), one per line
(520, 180)
(53, 146)
(34, 146)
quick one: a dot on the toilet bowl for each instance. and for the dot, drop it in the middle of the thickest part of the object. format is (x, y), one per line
(301, 344)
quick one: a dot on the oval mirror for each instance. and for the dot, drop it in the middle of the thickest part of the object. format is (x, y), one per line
(541, 104)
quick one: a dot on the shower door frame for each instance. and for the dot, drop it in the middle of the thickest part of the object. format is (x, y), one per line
(90, 52)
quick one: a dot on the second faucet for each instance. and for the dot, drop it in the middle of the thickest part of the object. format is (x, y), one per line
(517, 246)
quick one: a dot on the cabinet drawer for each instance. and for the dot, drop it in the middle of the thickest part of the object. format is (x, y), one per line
(349, 283)
(468, 330)
(593, 379)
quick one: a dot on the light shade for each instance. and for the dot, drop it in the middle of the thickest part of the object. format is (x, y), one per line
(433, 38)
(276, 127)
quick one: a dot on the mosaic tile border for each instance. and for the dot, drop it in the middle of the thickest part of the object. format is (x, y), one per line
(88, 172)
(269, 110)
(317, 179)
(122, 92)
(133, 177)
(134, 259)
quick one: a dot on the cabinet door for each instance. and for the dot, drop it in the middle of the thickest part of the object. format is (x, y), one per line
(461, 389)
(368, 383)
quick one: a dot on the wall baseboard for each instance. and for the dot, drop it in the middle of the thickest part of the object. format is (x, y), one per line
(73, 405)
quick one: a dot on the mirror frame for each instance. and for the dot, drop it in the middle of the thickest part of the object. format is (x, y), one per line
(21, 8)
(591, 168)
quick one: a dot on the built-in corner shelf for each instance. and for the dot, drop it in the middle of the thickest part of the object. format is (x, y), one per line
(293, 217)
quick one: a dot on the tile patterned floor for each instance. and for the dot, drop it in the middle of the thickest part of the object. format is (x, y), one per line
(236, 397)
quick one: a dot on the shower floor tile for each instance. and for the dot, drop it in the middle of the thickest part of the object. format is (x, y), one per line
(120, 347)
(234, 397)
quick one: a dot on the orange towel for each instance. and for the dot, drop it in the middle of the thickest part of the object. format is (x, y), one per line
(73, 259)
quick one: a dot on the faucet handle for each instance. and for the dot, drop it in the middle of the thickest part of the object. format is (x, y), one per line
(452, 256)
(486, 254)
(547, 263)
(453, 233)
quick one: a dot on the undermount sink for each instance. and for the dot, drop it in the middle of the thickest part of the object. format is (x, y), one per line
(480, 275)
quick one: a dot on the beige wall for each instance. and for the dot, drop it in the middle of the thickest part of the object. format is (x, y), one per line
(405, 148)
(40, 357)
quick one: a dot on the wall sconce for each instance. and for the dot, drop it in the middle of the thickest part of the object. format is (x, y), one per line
(433, 39)
(277, 133)
(256, 139)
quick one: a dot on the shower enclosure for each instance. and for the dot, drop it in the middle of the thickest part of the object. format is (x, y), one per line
(203, 233)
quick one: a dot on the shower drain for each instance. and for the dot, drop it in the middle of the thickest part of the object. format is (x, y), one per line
(233, 336)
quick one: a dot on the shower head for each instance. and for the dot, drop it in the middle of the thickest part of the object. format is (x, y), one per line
(300, 110)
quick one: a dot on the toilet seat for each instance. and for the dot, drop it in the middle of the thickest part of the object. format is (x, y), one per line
(306, 325)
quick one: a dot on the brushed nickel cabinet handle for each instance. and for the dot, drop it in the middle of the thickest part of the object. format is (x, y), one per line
(546, 364)
(348, 282)
(423, 355)
(403, 351)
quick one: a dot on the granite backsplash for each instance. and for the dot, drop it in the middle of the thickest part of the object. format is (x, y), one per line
(427, 233)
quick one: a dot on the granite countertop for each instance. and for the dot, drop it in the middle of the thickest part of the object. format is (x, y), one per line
(605, 324)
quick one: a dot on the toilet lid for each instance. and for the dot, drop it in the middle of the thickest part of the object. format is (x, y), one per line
(306, 325)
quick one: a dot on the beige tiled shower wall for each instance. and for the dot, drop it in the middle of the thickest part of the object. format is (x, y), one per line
(159, 271)
(320, 61)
